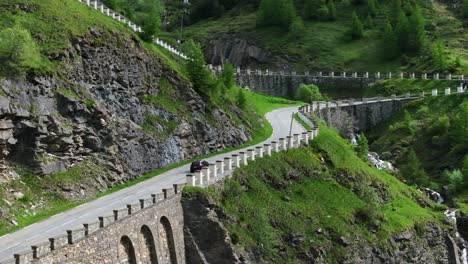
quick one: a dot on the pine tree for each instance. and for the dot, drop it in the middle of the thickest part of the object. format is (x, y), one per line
(459, 128)
(332, 10)
(395, 12)
(413, 170)
(241, 101)
(417, 32)
(389, 44)
(197, 72)
(310, 8)
(362, 147)
(228, 76)
(402, 32)
(357, 30)
(297, 28)
(371, 8)
(464, 171)
(465, 9)
(369, 22)
(439, 57)
(276, 13)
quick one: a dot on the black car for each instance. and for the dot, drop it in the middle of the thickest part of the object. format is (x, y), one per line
(198, 165)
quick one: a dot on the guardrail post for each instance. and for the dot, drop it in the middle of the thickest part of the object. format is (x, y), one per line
(421, 94)
(228, 163)
(243, 157)
(153, 195)
(331, 74)
(462, 77)
(116, 215)
(129, 209)
(305, 137)
(436, 76)
(310, 134)
(176, 188)
(460, 89)
(366, 75)
(447, 91)
(101, 221)
(315, 129)
(448, 77)
(377, 75)
(220, 166)
(393, 96)
(424, 76)
(319, 74)
(236, 160)
(389, 75)
(297, 140)
(213, 171)
(259, 151)
(282, 143)
(401, 75)
(86, 229)
(34, 250)
(343, 74)
(142, 203)
(206, 175)
(251, 154)
(52, 243)
(70, 237)
(434, 92)
(274, 146)
(407, 95)
(198, 178)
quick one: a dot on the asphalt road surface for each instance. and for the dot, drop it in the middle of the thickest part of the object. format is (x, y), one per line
(74, 218)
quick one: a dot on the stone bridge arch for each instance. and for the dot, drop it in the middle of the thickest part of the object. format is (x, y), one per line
(126, 252)
(167, 242)
(147, 246)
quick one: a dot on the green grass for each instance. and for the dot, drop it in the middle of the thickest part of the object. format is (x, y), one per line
(413, 86)
(295, 192)
(326, 46)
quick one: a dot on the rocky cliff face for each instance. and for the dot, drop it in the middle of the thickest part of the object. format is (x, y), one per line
(208, 241)
(93, 112)
(241, 52)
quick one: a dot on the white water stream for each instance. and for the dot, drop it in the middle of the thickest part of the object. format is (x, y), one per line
(374, 158)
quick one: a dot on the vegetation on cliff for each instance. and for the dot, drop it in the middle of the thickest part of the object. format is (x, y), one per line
(317, 202)
(427, 139)
(388, 35)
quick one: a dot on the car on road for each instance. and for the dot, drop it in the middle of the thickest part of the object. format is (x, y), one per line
(198, 165)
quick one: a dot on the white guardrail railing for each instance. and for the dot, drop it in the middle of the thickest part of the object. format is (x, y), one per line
(351, 75)
(102, 8)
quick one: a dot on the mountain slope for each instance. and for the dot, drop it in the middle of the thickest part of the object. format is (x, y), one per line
(322, 204)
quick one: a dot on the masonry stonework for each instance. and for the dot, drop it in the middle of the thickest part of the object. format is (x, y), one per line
(143, 230)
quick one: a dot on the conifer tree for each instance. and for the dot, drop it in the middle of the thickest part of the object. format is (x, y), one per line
(402, 32)
(228, 76)
(395, 11)
(417, 32)
(276, 13)
(332, 10)
(389, 44)
(439, 57)
(465, 9)
(197, 72)
(413, 170)
(369, 22)
(311, 7)
(459, 129)
(357, 30)
(297, 27)
(371, 7)
(241, 101)
(362, 147)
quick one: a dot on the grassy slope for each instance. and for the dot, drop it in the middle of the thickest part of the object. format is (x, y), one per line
(433, 145)
(52, 30)
(294, 193)
(414, 86)
(326, 47)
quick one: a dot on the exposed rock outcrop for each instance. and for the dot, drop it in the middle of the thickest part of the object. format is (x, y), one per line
(206, 238)
(93, 110)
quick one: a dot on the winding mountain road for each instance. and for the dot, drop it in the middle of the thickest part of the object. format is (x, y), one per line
(24, 238)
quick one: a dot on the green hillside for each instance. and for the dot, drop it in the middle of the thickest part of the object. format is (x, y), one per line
(318, 194)
(436, 129)
(327, 45)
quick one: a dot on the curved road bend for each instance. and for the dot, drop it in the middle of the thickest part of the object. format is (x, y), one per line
(74, 218)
